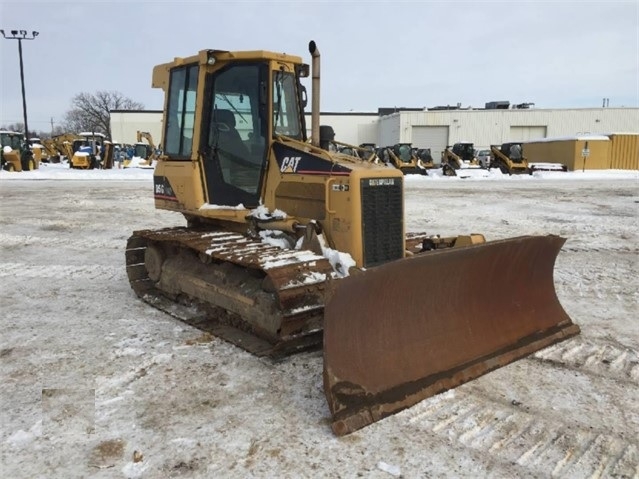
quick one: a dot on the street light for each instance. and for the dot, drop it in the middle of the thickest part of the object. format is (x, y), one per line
(21, 35)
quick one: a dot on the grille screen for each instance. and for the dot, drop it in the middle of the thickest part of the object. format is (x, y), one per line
(382, 220)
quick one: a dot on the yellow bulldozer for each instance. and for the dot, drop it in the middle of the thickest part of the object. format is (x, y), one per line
(288, 246)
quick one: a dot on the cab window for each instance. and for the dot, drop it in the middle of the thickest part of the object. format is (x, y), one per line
(286, 116)
(181, 111)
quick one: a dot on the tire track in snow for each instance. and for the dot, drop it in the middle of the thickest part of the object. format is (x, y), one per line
(58, 271)
(77, 242)
(513, 435)
(593, 357)
(600, 249)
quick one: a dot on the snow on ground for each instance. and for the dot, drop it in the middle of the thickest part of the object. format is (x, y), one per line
(96, 383)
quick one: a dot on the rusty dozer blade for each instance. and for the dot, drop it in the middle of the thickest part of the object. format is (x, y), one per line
(399, 333)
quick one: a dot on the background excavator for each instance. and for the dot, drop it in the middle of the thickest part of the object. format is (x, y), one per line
(459, 160)
(288, 245)
(59, 146)
(145, 152)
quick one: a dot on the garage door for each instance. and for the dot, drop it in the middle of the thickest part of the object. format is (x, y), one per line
(433, 137)
(525, 133)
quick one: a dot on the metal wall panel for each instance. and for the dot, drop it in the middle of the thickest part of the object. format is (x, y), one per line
(525, 133)
(346, 126)
(624, 151)
(125, 126)
(433, 137)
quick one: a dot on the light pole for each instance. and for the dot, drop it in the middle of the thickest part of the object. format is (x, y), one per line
(21, 35)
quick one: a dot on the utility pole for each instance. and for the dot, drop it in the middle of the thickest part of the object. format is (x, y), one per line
(21, 35)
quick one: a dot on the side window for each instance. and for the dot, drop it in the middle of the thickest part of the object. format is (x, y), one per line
(181, 111)
(286, 119)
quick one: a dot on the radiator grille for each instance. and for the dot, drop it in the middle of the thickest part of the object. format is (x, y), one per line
(382, 220)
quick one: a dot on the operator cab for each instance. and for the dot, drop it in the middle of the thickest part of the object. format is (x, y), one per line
(236, 123)
(466, 151)
(404, 152)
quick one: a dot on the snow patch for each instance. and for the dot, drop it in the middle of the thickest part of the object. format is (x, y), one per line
(207, 206)
(389, 468)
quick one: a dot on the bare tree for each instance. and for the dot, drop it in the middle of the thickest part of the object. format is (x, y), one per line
(92, 111)
(13, 127)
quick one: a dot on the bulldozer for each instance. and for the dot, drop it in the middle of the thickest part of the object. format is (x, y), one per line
(459, 160)
(289, 246)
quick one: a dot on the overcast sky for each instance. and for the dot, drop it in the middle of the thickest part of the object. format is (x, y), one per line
(374, 53)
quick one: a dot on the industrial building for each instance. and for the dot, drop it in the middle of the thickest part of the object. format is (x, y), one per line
(435, 128)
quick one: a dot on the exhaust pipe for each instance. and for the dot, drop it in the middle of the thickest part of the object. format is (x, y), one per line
(315, 91)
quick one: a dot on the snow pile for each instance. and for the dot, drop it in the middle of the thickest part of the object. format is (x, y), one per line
(138, 162)
(263, 213)
(208, 206)
(61, 171)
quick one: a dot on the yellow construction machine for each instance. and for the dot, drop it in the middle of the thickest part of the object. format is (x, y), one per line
(365, 151)
(16, 154)
(145, 152)
(425, 157)
(509, 158)
(91, 150)
(40, 152)
(459, 160)
(60, 146)
(402, 157)
(286, 243)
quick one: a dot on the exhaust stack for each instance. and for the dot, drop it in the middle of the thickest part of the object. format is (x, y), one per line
(315, 91)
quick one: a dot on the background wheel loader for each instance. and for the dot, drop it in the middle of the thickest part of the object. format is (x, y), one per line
(288, 246)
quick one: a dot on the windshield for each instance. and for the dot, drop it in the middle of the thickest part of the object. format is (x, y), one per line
(405, 153)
